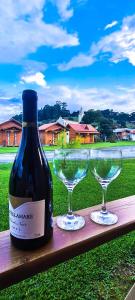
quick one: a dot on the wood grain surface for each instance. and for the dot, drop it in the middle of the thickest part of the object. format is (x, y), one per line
(16, 265)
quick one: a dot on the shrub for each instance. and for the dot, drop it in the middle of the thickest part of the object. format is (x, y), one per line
(112, 139)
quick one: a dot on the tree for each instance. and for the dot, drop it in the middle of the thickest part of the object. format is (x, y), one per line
(106, 128)
(74, 113)
(18, 118)
(64, 111)
(56, 111)
(132, 117)
(91, 116)
(109, 114)
(122, 118)
(50, 113)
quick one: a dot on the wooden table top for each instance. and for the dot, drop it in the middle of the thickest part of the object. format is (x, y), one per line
(16, 265)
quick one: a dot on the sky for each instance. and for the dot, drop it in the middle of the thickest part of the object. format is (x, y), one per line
(77, 51)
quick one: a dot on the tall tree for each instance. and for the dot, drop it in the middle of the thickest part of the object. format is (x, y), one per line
(106, 127)
(92, 116)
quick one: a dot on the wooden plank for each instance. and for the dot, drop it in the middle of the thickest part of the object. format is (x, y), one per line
(16, 265)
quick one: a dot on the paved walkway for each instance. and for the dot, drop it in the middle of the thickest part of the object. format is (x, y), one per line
(127, 152)
(9, 157)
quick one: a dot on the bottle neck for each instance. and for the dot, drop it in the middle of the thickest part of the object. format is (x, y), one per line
(30, 112)
(30, 135)
(28, 124)
(30, 116)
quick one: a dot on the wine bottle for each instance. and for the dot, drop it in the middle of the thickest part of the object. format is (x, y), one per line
(30, 184)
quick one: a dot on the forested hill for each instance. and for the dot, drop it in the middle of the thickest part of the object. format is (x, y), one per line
(104, 120)
(50, 113)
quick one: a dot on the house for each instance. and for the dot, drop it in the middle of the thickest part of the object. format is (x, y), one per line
(122, 133)
(49, 133)
(84, 132)
(132, 134)
(10, 133)
(64, 122)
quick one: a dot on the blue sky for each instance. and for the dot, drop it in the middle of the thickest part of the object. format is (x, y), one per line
(78, 51)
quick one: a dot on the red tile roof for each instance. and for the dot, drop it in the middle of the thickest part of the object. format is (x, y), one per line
(132, 131)
(10, 123)
(45, 126)
(83, 128)
(55, 125)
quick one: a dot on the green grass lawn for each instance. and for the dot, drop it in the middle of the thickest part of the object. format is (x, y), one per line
(105, 273)
(95, 145)
(108, 144)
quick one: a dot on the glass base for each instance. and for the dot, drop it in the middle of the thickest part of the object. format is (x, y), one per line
(103, 218)
(70, 222)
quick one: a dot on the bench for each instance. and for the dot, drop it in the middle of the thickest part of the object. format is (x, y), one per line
(17, 265)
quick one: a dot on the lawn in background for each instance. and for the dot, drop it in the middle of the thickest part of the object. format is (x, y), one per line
(104, 273)
(95, 145)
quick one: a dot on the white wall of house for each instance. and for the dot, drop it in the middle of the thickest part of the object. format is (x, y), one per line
(132, 136)
(65, 122)
(61, 121)
(67, 137)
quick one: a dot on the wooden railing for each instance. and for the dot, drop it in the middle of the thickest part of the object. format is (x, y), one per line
(16, 265)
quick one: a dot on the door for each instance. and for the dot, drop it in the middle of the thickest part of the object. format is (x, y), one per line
(14, 137)
(8, 138)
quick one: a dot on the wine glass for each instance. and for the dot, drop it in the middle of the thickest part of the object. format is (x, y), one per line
(70, 166)
(106, 165)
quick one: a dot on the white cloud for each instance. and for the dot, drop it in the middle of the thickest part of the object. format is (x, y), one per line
(23, 30)
(118, 98)
(81, 60)
(31, 66)
(63, 9)
(89, 98)
(9, 108)
(5, 98)
(118, 46)
(110, 25)
(82, 2)
(37, 78)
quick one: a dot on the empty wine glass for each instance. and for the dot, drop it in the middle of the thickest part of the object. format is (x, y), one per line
(105, 165)
(70, 166)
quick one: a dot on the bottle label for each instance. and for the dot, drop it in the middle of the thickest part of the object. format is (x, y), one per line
(29, 124)
(26, 218)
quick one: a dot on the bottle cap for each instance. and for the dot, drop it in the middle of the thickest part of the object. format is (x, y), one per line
(29, 98)
(29, 95)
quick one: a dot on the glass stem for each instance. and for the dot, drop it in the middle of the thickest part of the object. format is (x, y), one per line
(70, 212)
(103, 207)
